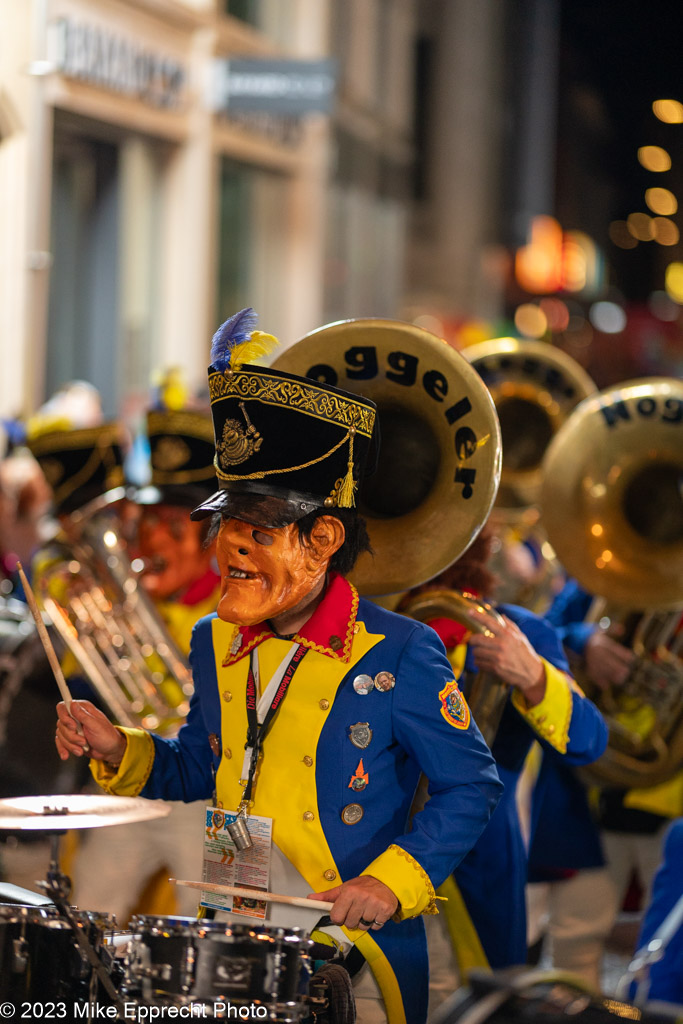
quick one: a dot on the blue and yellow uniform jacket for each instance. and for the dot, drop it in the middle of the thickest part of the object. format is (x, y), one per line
(421, 725)
(666, 975)
(491, 878)
(564, 834)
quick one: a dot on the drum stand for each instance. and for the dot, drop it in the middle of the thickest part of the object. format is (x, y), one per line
(57, 886)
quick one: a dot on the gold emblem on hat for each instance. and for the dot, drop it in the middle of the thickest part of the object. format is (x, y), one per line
(170, 453)
(237, 444)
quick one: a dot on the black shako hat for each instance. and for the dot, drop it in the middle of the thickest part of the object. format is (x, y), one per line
(79, 465)
(181, 457)
(284, 445)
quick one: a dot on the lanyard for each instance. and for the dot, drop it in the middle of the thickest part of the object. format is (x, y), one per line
(256, 732)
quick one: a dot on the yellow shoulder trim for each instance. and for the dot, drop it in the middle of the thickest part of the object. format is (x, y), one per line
(132, 774)
(551, 718)
(407, 879)
(467, 947)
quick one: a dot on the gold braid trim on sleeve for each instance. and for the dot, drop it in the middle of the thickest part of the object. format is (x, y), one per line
(431, 907)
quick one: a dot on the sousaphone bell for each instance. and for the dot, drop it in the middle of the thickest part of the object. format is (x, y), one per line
(440, 453)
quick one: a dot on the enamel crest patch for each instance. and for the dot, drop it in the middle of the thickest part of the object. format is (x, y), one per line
(454, 707)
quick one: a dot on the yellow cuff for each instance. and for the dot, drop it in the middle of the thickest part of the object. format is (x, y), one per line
(132, 774)
(407, 879)
(551, 718)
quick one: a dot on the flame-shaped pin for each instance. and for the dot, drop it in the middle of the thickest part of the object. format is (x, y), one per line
(360, 778)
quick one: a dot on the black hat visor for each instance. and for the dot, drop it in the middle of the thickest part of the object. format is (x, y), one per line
(265, 510)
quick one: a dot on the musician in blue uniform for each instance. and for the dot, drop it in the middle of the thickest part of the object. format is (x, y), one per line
(485, 913)
(584, 852)
(665, 976)
(340, 703)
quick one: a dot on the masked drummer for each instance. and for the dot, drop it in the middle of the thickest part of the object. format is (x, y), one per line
(292, 718)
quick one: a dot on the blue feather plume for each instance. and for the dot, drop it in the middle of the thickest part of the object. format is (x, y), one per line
(233, 332)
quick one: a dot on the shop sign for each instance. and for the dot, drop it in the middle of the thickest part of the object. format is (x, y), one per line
(282, 87)
(95, 55)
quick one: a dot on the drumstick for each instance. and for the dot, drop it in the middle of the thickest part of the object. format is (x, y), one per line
(48, 647)
(255, 894)
(45, 639)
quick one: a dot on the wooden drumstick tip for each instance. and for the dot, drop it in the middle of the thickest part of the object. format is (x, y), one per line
(48, 646)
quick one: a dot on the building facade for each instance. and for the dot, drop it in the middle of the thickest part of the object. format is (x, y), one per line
(138, 207)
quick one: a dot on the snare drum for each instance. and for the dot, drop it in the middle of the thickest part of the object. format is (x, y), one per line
(176, 960)
(40, 958)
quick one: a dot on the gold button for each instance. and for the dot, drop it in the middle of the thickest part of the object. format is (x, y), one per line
(324, 704)
(329, 875)
(309, 815)
(227, 696)
(551, 729)
(227, 752)
(308, 761)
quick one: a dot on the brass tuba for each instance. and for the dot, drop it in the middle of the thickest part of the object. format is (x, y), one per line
(534, 387)
(91, 595)
(612, 504)
(439, 459)
(485, 693)
(438, 468)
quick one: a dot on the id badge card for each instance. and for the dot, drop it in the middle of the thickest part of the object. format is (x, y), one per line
(225, 865)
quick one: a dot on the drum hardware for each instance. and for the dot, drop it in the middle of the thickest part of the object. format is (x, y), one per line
(77, 810)
(54, 815)
(181, 961)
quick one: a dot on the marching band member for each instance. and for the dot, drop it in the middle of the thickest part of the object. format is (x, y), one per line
(582, 854)
(485, 913)
(180, 577)
(340, 703)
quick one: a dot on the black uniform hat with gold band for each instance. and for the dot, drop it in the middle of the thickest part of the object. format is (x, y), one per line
(79, 465)
(181, 455)
(285, 445)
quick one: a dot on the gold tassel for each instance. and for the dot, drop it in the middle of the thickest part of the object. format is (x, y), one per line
(346, 496)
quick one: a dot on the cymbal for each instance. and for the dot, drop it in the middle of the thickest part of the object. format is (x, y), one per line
(77, 810)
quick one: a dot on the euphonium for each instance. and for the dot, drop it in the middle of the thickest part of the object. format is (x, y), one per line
(534, 387)
(485, 693)
(612, 504)
(106, 620)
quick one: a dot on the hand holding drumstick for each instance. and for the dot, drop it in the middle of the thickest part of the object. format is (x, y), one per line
(64, 711)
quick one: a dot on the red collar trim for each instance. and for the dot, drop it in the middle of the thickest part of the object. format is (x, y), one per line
(201, 588)
(329, 630)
